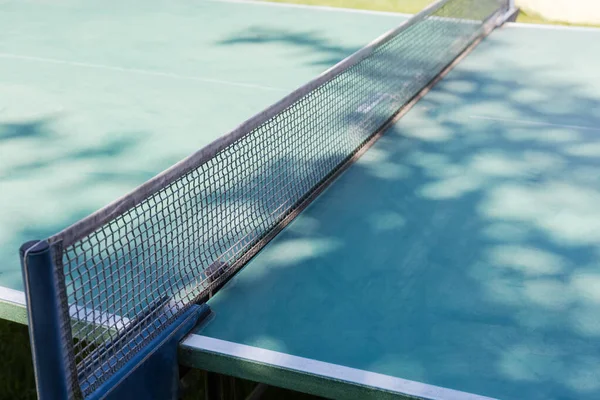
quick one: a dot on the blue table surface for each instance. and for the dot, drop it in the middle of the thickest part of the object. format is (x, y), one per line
(94, 104)
(461, 250)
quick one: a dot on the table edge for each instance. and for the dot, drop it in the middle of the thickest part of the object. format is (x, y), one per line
(303, 374)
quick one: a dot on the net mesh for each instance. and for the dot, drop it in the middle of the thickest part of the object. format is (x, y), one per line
(137, 272)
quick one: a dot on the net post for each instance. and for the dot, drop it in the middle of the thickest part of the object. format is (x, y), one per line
(512, 13)
(43, 313)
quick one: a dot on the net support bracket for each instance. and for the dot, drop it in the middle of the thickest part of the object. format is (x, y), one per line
(152, 373)
(511, 14)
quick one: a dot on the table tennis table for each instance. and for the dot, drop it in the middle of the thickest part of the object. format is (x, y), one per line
(455, 259)
(59, 80)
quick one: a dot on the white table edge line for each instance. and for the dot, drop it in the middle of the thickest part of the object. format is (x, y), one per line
(9, 295)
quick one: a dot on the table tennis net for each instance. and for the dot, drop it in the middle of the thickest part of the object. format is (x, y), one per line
(142, 260)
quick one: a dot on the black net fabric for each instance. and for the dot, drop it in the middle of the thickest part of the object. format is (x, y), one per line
(129, 275)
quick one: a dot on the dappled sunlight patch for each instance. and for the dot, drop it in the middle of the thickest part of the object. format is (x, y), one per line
(527, 260)
(433, 164)
(497, 164)
(304, 224)
(541, 302)
(375, 155)
(439, 96)
(497, 89)
(584, 320)
(505, 165)
(496, 285)
(451, 188)
(426, 128)
(503, 232)
(543, 161)
(386, 221)
(479, 139)
(584, 149)
(587, 287)
(520, 364)
(481, 170)
(565, 212)
(459, 86)
(389, 171)
(584, 376)
(587, 176)
(536, 360)
(436, 133)
(548, 135)
(265, 342)
(531, 94)
(537, 319)
(559, 108)
(285, 253)
(551, 294)
(576, 227)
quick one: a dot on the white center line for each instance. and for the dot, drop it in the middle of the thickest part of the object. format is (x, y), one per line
(525, 122)
(139, 71)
